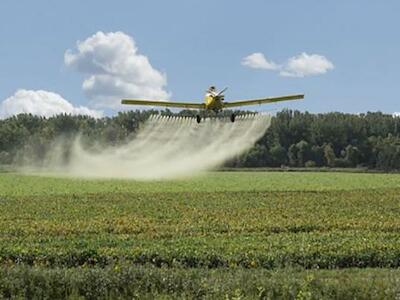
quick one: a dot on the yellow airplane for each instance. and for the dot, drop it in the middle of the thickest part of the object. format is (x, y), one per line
(213, 100)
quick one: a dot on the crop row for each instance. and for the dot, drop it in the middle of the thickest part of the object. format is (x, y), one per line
(162, 215)
(308, 250)
(146, 282)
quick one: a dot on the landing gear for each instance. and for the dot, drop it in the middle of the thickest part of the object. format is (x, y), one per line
(198, 119)
(233, 116)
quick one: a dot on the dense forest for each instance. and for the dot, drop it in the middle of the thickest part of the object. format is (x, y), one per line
(294, 139)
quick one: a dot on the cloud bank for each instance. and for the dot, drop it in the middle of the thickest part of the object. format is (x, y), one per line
(297, 66)
(114, 69)
(258, 61)
(41, 103)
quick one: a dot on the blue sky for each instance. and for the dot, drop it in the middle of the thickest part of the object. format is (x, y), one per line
(198, 43)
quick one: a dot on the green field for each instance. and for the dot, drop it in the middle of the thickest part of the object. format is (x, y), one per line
(223, 234)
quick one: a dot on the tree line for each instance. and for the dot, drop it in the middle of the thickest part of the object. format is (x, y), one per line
(294, 139)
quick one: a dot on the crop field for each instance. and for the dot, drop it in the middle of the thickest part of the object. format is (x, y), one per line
(219, 235)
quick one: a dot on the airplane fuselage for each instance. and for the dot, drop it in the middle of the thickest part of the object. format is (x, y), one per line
(214, 102)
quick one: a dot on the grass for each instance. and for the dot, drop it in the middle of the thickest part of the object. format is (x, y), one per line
(277, 228)
(23, 185)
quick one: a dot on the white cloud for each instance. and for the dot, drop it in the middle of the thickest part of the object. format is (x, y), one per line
(258, 61)
(297, 66)
(396, 114)
(306, 65)
(114, 69)
(41, 103)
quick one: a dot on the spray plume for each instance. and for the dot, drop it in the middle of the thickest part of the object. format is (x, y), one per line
(165, 147)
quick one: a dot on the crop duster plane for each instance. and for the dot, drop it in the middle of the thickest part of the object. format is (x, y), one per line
(213, 101)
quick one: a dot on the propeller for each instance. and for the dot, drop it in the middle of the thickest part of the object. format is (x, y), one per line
(221, 92)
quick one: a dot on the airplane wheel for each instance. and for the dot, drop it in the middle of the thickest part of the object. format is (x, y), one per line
(233, 118)
(198, 119)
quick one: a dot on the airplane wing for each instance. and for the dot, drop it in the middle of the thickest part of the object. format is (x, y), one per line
(163, 103)
(262, 100)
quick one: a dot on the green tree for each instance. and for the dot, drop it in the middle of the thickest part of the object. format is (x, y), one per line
(292, 155)
(303, 152)
(329, 155)
(278, 156)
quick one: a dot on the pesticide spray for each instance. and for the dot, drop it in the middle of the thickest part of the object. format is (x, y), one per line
(166, 147)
